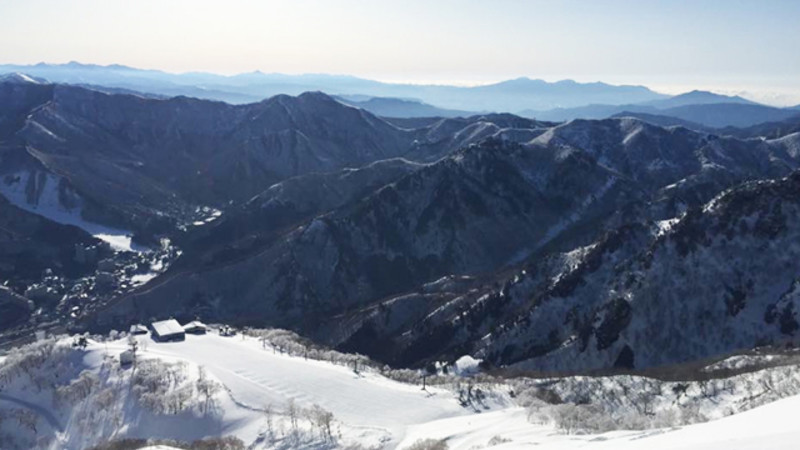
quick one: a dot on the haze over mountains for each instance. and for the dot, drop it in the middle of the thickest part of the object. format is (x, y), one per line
(562, 100)
(512, 95)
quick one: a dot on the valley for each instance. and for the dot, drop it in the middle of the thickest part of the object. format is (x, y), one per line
(519, 264)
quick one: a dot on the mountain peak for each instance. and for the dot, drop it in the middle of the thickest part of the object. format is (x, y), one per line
(319, 95)
(522, 81)
(698, 97)
(20, 78)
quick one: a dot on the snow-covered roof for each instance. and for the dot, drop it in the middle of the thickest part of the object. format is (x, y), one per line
(167, 327)
(194, 324)
(138, 329)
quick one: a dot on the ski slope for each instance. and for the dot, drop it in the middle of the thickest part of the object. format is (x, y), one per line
(773, 426)
(255, 377)
(397, 414)
(48, 204)
(369, 409)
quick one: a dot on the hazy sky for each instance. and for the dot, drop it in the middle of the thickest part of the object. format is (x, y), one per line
(724, 45)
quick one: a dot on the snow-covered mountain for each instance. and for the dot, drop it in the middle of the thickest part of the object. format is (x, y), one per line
(716, 279)
(142, 162)
(297, 210)
(450, 245)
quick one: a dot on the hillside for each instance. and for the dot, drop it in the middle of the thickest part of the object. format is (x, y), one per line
(150, 163)
(477, 212)
(269, 390)
(715, 270)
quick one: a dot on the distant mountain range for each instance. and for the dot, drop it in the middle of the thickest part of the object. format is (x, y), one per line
(507, 96)
(400, 108)
(703, 108)
(697, 98)
(558, 101)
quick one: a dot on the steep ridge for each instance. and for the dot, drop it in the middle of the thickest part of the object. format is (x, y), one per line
(403, 322)
(248, 228)
(153, 164)
(717, 279)
(172, 154)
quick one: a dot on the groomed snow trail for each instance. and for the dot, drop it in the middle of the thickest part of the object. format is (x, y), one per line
(377, 410)
(257, 377)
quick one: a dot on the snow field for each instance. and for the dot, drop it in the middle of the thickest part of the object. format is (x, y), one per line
(48, 205)
(368, 409)
(256, 377)
(773, 426)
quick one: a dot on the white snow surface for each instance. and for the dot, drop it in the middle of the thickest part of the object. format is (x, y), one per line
(466, 365)
(773, 426)
(140, 279)
(377, 412)
(46, 202)
(370, 405)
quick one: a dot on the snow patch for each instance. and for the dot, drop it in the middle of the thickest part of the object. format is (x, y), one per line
(42, 194)
(665, 225)
(466, 366)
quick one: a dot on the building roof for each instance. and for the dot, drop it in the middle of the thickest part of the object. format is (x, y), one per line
(194, 324)
(138, 329)
(167, 327)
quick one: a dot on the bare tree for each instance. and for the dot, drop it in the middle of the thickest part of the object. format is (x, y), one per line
(133, 346)
(323, 420)
(206, 387)
(292, 411)
(268, 413)
(429, 444)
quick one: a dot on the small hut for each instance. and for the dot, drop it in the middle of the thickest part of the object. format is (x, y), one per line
(195, 327)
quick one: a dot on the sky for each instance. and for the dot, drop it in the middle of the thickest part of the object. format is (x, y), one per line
(728, 46)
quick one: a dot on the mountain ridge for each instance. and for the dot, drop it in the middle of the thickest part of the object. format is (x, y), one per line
(254, 86)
